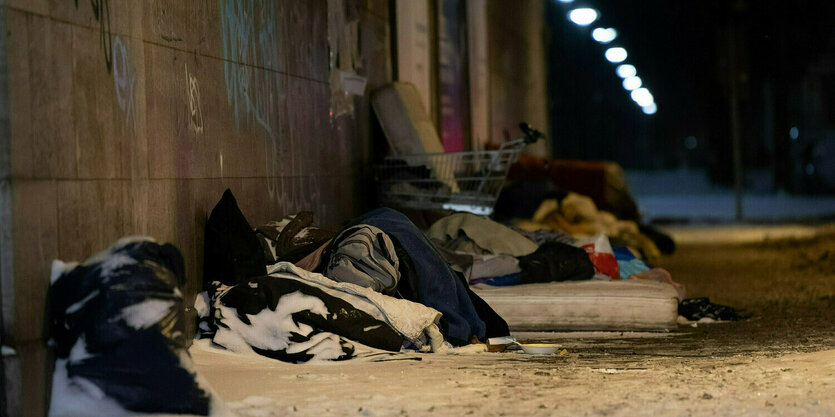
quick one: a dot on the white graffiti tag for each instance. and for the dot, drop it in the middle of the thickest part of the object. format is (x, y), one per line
(194, 106)
(124, 80)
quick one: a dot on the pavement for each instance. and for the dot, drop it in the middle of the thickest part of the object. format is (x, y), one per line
(715, 234)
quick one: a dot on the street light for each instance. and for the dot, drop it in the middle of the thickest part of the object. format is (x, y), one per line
(626, 71)
(604, 35)
(583, 16)
(642, 96)
(616, 55)
(631, 83)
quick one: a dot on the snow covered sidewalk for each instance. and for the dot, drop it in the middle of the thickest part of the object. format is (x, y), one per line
(497, 384)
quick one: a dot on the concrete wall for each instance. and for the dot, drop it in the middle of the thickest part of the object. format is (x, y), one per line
(137, 127)
(517, 66)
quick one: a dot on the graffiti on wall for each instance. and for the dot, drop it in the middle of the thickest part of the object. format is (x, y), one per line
(195, 109)
(101, 12)
(250, 45)
(124, 80)
(253, 94)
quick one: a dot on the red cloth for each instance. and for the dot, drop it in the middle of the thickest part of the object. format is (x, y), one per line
(589, 178)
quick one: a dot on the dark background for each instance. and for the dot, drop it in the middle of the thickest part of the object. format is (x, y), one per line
(781, 53)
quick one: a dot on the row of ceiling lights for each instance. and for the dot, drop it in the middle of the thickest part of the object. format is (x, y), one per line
(584, 16)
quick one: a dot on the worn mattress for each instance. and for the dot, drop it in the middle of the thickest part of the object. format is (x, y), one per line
(628, 305)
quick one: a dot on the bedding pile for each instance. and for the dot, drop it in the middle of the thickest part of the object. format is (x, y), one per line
(301, 293)
(118, 327)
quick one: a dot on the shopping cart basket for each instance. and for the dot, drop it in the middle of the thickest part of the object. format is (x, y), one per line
(460, 181)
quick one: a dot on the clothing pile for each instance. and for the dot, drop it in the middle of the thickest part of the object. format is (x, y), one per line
(550, 278)
(118, 327)
(485, 251)
(296, 292)
(566, 238)
(618, 249)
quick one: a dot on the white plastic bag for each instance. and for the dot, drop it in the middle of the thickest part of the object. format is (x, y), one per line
(601, 255)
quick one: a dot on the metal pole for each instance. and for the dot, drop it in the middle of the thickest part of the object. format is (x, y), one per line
(735, 135)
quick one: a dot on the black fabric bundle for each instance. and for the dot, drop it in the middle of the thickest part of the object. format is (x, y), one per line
(263, 293)
(232, 252)
(555, 261)
(118, 319)
(694, 309)
(235, 276)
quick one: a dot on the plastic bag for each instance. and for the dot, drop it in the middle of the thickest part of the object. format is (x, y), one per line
(601, 255)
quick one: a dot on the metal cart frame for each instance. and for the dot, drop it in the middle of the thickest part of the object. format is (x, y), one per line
(460, 181)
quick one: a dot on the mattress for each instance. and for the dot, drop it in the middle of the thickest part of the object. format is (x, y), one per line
(409, 129)
(628, 305)
(406, 124)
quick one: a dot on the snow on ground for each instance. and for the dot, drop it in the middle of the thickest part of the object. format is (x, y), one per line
(513, 383)
(597, 335)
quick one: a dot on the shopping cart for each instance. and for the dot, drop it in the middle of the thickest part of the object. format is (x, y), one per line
(460, 181)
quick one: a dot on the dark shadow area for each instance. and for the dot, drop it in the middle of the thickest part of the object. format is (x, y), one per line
(777, 58)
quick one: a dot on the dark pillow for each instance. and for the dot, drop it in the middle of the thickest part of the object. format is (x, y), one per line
(232, 252)
(555, 261)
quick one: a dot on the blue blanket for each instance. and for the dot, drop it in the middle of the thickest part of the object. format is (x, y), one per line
(435, 283)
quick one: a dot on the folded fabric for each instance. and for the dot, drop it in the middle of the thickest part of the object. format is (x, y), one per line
(408, 318)
(633, 266)
(426, 278)
(462, 263)
(492, 266)
(492, 236)
(296, 316)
